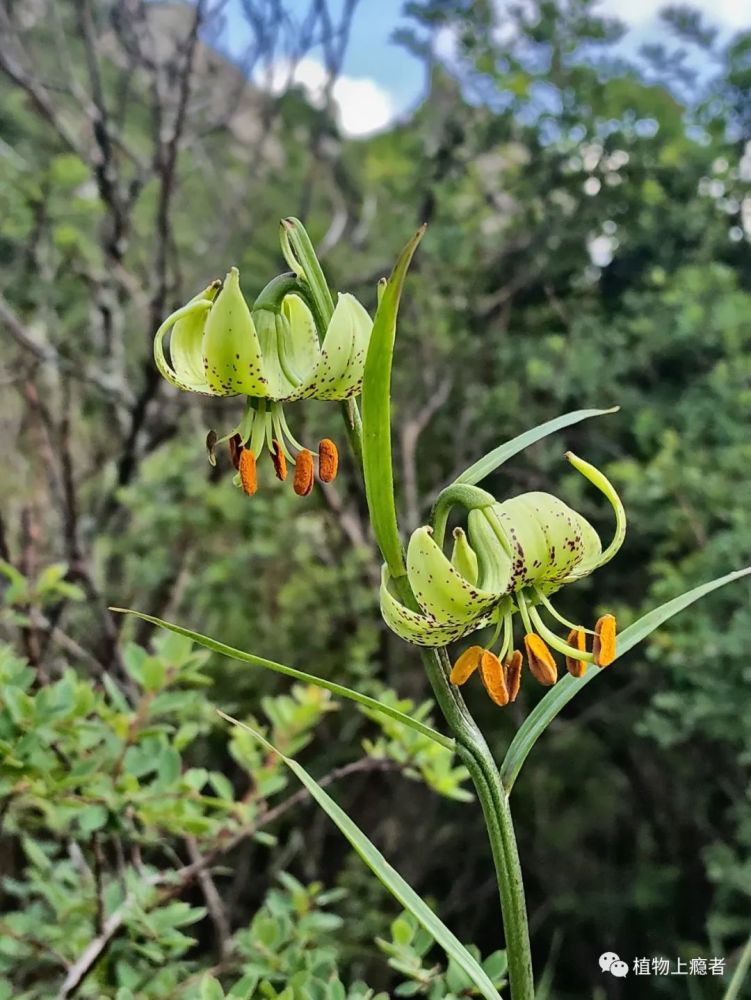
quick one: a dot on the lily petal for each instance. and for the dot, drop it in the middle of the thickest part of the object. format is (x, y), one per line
(272, 330)
(549, 540)
(190, 320)
(300, 350)
(420, 629)
(231, 351)
(339, 369)
(185, 342)
(441, 591)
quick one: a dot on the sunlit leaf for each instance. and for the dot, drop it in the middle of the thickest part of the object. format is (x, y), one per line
(388, 875)
(299, 675)
(490, 462)
(561, 694)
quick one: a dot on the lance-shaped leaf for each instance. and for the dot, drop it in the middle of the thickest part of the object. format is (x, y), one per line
(386, 874)
(299, 675)
(490, 462)
(559, 696)
(376, 415)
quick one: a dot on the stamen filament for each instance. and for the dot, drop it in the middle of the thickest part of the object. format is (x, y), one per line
(524, 612)
(269, 430)
(287, 432)
(258, 433)
(555, 641)
(508, 635)
(559, 617)
(279, 433)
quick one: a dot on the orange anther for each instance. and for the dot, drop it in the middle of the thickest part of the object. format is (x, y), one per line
(303, 482)
(603, 646)
(513, 671)
(247, 467)
(279, 460)
(577, 639)
(540, 660)
(493, 677)
(328, 461)
(235, 449)
(466, 664)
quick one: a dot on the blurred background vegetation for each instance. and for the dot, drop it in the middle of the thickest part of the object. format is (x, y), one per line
(590, 218)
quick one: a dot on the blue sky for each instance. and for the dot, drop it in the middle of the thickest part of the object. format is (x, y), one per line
(381, 80)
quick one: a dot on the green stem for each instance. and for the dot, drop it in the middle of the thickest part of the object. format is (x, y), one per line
(475, 754)
(472, 749)
(741, 971)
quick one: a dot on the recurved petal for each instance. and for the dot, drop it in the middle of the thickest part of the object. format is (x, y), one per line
(417, 628)
(190, 319)
(272, 331)
(185, 341)
(338, 372)
(300, 350)
(464, 557)
(592, 550)
(441, 591)
(231, 351)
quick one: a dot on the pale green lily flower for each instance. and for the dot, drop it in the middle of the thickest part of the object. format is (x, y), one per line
(271, 355)
(514, 555)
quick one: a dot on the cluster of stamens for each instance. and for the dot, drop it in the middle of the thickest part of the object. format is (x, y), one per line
(500, 670)
(267, 430)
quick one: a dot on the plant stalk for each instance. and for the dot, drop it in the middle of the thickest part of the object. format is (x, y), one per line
(741, 971)
(471, 746)
(475, 754)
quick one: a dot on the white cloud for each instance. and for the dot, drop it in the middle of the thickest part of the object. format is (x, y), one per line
(363, 106)
(723, 13)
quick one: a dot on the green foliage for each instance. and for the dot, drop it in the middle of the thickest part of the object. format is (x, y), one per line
(409, 953)
(587, 246)
(102, 781)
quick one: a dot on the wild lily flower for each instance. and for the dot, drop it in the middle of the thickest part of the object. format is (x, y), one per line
(513, 556)
(271, 355)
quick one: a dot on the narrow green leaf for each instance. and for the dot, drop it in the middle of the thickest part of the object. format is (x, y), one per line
(561, 694)
(739, 976)
(490, 462)
(299, 675)
(376, 415)
(388, 875)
